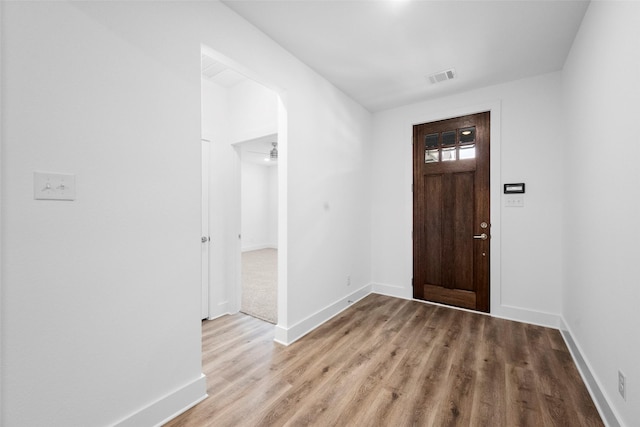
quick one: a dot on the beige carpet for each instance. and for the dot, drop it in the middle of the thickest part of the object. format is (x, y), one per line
(260, 284)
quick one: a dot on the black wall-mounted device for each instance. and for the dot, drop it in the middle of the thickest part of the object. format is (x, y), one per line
(514, 188)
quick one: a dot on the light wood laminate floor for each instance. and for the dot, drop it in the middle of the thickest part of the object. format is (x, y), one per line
(390, 362)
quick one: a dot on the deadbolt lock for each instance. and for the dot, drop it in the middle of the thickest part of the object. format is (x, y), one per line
(483, 225)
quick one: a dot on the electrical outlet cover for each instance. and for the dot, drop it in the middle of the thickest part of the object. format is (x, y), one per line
(622, 385)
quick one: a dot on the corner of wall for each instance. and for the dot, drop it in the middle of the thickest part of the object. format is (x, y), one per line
(286, 336)
(392, 290)
(593, 385)
(518, 314)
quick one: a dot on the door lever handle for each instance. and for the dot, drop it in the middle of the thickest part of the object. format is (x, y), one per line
(482, 236)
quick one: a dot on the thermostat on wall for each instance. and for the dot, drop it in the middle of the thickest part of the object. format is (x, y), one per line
(514, 188)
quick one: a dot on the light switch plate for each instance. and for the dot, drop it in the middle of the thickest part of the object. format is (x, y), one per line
(54, 186)
(514, 200)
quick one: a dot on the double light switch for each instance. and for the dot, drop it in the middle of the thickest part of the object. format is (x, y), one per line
(54, 186)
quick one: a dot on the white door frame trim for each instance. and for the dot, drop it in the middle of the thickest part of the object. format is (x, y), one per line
(495, 107)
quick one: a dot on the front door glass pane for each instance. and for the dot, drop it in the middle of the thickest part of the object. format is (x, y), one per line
(431, 156)
(468, 152)
(448, 154)
(449, 138)
(467, 135)
(431, 140)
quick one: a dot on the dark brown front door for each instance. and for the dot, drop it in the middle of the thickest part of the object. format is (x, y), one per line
(451, 230)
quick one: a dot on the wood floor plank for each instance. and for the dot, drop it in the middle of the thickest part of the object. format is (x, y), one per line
(334, 367)
(579, 395)
(419, 384)
(375, 361)
(394, 401)
(523, 403)
(457, 401)
(489, 408)
(390, 362)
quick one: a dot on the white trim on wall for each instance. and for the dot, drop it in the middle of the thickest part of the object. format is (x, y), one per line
(392, 290)
(174, 403)
(518, 314)
(594, 386)
(549, 320)
(291, 334)
(283, 230)
(219, 310)
(1, 222)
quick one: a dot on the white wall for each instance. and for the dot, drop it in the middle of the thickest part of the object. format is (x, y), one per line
(215, 111)
(259, 206)
(101, 296)
(601, 230)
(527, 134)
(253, 111)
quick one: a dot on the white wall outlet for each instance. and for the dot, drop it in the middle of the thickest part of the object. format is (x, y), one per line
(622, 385)
(349, 280)
(514, 200)
(54, 186)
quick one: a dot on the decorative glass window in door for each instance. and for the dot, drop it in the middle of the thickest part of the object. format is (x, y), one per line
(432, 153)
(453, 145)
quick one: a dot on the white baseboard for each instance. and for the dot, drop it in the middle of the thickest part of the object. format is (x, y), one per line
(289, 335)
(392, 291)
(540, 318)
(607, 414)
(518, 314)
(170, 406)
(218, 310)
(258, 247)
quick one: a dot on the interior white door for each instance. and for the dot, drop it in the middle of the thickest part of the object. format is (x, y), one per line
(205, 239)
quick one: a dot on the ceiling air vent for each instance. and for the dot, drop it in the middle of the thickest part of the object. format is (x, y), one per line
(211, 67)
(442, 76)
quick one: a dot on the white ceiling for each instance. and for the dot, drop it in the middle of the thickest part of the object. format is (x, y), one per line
(220, 73)
(380, 52)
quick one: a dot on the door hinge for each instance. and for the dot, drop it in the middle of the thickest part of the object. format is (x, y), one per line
(412, 188)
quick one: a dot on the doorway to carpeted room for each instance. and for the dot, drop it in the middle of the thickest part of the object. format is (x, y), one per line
(259, 284)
